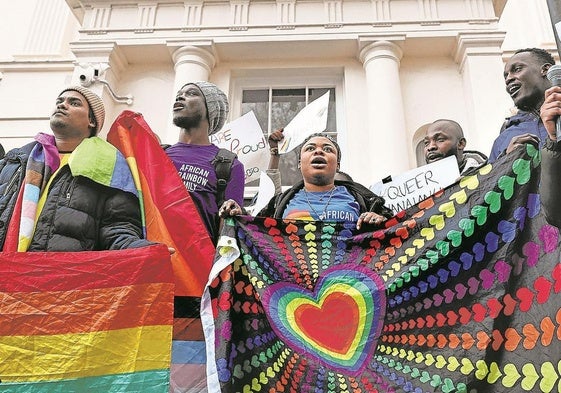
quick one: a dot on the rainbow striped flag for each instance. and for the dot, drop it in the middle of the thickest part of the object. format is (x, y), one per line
(86, 322)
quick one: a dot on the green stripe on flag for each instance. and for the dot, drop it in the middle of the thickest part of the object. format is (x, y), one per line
(156, 381)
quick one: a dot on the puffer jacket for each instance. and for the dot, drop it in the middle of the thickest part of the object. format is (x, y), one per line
(79, 214)
(367, 200)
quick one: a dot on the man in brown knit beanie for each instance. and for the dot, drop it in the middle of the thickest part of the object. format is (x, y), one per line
(69, 190)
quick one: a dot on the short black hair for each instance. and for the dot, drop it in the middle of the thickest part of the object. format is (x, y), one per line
(323, 135)
(539, 53)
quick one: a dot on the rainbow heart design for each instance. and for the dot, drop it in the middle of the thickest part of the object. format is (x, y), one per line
(338, 323)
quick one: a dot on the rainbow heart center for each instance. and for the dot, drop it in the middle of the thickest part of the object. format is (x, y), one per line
(338, 323)
(328, 324)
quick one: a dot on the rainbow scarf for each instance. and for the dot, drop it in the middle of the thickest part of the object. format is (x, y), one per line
(93, 158)
(42, 163)
(459, 293)
(86, 322)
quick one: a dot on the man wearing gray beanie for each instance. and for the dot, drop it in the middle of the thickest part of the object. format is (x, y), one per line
(200, 109)
(77, 190)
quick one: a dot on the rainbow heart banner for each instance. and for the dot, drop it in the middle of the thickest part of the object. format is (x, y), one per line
(86, 322)
(460, 293)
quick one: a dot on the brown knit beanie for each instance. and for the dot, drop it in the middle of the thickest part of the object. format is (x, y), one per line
(216, 105)
(95, 103)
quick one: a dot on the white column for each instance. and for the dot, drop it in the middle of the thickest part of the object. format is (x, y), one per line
(480, 64)
(386, 148)
(192, 63)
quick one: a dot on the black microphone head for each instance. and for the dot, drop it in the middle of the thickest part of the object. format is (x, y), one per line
(554, 75)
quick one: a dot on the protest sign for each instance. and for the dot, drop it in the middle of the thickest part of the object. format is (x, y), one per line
(408, 188)
(311, 119)
(265, 193)
(244, 137)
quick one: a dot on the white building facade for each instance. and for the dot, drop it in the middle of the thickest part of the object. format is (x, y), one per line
(392, 66)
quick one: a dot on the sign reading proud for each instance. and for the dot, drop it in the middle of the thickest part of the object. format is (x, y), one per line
(244, 137)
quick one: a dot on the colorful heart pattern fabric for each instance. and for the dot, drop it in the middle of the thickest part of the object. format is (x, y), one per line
(338, 323)
(460, 293)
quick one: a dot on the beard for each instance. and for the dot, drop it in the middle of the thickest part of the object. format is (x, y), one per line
(187, 122)
(57, 123)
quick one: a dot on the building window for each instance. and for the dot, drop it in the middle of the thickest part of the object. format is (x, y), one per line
(274, 108)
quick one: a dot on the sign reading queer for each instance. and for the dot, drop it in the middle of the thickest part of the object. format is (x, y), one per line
(244, 137)
(411, 187)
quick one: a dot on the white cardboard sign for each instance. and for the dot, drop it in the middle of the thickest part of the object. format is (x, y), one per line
(411, 187)
(244, 137)
(311, 119)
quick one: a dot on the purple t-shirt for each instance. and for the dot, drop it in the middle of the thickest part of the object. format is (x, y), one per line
(194, 165)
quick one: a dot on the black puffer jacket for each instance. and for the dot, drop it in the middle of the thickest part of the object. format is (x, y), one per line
(79, 214)
(367, 200)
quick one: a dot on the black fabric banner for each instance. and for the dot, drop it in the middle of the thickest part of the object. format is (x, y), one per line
(461, 293)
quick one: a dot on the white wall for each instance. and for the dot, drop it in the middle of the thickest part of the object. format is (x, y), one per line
(433, 83)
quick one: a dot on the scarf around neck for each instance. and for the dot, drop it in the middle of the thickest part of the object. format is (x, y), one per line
(93, 158)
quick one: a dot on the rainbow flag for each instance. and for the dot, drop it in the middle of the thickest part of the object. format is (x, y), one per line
(461, 293)
(86, 322)
(171, 218)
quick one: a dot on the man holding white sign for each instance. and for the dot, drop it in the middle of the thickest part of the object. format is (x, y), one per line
(445, 138)
(446, 162)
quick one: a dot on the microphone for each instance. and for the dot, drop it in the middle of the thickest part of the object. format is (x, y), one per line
(554, 76)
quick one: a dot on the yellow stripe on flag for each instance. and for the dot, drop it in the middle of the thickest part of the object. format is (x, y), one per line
(65, 356)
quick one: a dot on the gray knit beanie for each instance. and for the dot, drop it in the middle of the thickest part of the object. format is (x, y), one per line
(95, 103)
(216, 105)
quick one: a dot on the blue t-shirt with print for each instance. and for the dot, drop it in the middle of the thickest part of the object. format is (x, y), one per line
(334, 205)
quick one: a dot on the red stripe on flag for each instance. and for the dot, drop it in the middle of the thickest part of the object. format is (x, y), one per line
(85, 311)
(103, 269)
